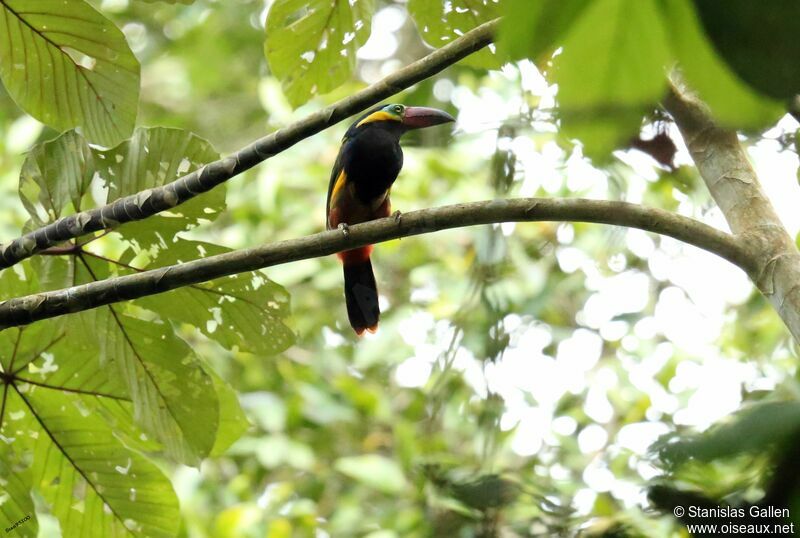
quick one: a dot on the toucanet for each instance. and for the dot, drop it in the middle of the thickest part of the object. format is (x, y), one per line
(367, 165)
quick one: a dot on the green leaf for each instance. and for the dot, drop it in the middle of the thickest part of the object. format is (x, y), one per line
(485, 492)
(169, 388)
(56, 410)
(62, 171)
(441, 22)
(750, 430)
(16, 503)
(13, 284)
(152, 157)
(244, 311)
(375, 471)
(533, 28)
(758, 41)
(93, 484)
(732, 102)
(232, 421)
(68, 66)
(54, 174)
(611, 72)
(311, 45)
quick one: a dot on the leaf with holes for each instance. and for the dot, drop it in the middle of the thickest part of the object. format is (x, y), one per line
(53, 409)
(54, 174)
(152, 157)
(439, 23)
(69, 66)
(16, 502)
(311, 45)
(62, 170)
(244, 311)
(168, 386)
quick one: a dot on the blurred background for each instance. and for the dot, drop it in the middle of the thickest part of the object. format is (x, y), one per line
(521, 372)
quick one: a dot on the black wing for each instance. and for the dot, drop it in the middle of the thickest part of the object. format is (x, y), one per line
(337, 169)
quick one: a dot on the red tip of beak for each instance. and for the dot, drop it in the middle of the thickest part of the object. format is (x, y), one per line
(417, 117)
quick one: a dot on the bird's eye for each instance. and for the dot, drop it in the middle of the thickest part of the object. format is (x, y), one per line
(398, 109)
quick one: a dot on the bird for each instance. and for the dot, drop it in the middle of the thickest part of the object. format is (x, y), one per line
(369, 160)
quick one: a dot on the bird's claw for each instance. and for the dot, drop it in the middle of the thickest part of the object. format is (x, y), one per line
(344, 228)
(397, 216)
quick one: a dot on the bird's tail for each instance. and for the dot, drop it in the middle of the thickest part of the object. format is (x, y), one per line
(360, 290)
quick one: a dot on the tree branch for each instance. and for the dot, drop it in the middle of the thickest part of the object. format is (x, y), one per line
(151, 201)
(772, 259)
(24, 310)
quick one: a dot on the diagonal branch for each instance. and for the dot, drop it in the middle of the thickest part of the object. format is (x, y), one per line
(774, 261)
(152, 201)
(24, 310)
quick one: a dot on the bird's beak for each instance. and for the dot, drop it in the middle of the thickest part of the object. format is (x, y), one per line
(417, 117)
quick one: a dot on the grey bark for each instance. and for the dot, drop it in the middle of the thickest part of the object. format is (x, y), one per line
(24, 310)
(152, 201)
(772, 259)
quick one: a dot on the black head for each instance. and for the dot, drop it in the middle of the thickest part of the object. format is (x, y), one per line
(399, 119)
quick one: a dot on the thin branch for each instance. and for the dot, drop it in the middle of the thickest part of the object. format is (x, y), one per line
(773, 258)
(152, 201)
(24, 310)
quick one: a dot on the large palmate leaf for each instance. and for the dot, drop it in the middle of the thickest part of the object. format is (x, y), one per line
(533, 29)
(611, 71)
(16, 501)
(731, 101)
(67, 65)
(152, 157)
(758, 40)
(311, 44)
(244, 311)
(63, 170)
(54, 174)
(232, 421)
(169, 388)
(441, 22)
(56, 395)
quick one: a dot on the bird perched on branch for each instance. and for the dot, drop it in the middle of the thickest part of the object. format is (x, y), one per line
(368, 163)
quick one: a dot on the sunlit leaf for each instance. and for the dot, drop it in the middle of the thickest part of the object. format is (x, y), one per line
(731, 101)
(232, 420)
(533, 28)
(311, 44)
(67, 65)
(375, 471)
(441, 22)
(54, 174)
(152, 157)
(611, 72)
(59, 397)
(94, 485)
(168, 387)
(244, 311)
(16, 503)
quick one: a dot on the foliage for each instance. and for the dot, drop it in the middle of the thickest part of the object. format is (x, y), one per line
(68, 65)
(520, 373)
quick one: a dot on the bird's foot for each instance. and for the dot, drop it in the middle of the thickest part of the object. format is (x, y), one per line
(397, 216)
(345, 229)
